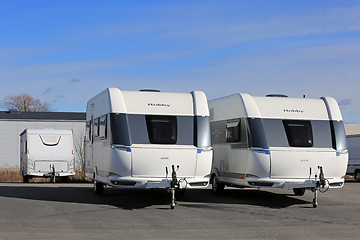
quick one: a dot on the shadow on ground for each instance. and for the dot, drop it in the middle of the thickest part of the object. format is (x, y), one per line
(130, 199)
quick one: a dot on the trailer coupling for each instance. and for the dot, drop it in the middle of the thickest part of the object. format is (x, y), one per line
(173, 184)
(52, 173)
(322, 185)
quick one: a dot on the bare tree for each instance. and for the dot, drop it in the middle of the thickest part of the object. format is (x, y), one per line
(26, 103)
(79, 151)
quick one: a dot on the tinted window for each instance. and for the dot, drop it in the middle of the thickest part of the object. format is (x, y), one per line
(88, 131)
(233, 131)
(139, 133)
(162, 129)
(218, 132)
(96, 127)
(321, 133)
(119, 129)
(275, 133)
(257, 135)
(299, 133)
(339, 139)
(203, 138)
(102, 127)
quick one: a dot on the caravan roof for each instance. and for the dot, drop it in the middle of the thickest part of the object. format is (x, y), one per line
(113, 100)
(276, 108)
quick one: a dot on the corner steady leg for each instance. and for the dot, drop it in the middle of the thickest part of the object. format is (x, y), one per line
(315, 199)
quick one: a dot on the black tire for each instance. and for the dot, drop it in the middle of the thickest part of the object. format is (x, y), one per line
(64, 179)
(217, 187)
(357, 176)
(25, 179)
(299, 191)
(98, 188)
(180, 192)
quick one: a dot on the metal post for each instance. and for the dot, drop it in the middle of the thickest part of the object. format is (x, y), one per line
(315, 200)
(53, 173)
(173, 184)
(172, 203)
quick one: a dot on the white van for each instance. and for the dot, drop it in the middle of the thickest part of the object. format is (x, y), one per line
(134, 139)
(46, 153)
(353, 142)
(277, 142)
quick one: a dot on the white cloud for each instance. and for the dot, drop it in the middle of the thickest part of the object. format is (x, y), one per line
(204, 46)
(203, 24)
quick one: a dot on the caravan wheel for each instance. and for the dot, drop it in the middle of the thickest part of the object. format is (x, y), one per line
(180, 192)
(299, 191)
(98, 188)
(65, 179)
(357, 176)
(25, 179)
(217, 187)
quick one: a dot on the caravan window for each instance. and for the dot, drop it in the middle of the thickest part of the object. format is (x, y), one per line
(233, 131)
(119, 129)
(236, 133)
(162, 129)
(102, 127)
(294, 133)
(257, 136)
(203, 135)
(88, 131)
(96, 127)
(127, 129)
(339, 136)
(299, 133)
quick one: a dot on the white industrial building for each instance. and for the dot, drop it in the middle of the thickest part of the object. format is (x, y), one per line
(12, 123)
(352, 129)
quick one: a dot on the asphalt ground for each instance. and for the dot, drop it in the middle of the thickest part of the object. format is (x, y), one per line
(72, 211)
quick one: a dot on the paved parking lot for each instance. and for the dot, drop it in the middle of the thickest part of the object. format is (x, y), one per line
(72, 211)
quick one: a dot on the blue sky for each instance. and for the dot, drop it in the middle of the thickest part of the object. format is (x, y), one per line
(65, 52)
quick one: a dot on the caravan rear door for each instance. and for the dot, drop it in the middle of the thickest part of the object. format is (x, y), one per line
(152, 160)
(290, 163)
(49, 151)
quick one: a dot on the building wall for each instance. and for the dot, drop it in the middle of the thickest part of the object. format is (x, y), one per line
(10, 138)
(352, 129)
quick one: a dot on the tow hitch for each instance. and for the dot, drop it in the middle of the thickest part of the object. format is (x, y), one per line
(52, 168)
(173, 185)
(322, 185)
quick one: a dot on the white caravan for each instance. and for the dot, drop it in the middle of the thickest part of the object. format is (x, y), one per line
(277, 142)
(46, 153)
(140, 139)
(353, 143)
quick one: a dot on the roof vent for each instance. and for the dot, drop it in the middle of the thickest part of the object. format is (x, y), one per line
(13, 111)
(149, 90)
(276, 95)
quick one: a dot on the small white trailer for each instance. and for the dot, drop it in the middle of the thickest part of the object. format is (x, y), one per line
(353, 142)
(47, 153)
(148, 139)
(277, 142)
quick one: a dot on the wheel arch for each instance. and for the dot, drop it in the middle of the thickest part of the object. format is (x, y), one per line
(214, 172)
